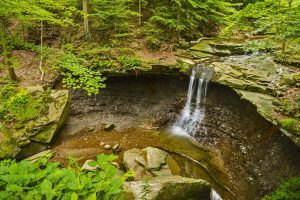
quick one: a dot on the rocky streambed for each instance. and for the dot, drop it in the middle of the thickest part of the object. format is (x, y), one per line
(242, 155)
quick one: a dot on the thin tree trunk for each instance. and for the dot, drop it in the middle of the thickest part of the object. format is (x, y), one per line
(140, 12)
(283, 47)
(85, 19)
(12, 74)
(178, 21)
(23, 31)
(41, 53)
(7, 57)
(290, 3)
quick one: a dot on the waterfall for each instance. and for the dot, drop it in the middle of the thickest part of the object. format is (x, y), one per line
(192, 114)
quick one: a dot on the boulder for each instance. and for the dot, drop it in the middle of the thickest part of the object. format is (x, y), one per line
(153, 158)
(213, 47)
(38, 131)
(149, 162)
(130, 158)
(167, 188)
(48, 125)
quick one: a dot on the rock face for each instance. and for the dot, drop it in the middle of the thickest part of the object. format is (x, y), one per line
(167, 188)
(18, 135)
(259, 80)
(154, 177)
(208, 47)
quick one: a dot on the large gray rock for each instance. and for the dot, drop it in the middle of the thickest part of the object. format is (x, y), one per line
(167, 188)
(130, 158)
(149, 162)
(20, 134)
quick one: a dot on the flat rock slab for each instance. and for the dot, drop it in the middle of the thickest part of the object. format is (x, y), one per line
(167, 188)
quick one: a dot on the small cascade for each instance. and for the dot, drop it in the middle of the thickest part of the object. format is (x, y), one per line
(214, 195)
(192, 113)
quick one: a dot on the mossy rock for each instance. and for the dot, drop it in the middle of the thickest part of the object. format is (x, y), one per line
(16, 135)
(167, 188)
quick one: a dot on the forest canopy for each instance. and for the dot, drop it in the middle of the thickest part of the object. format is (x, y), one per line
(56, 30)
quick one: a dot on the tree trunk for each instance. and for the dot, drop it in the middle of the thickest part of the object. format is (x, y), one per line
(140, 12)
(41, 53)
(290, 3)
(12, 74)
(283, 47)
(85, 19)
(178, 21)
(7, 57)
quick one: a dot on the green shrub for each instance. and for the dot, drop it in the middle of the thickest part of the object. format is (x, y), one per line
(291, 125)
(289, 190)
(298, 102)
(47, 180)
(287, 107)
(153, 42)
(76, 75)
(128, 63)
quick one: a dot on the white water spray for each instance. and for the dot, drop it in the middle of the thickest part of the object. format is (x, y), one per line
(192, 113)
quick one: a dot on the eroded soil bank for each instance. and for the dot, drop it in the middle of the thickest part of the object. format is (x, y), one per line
(240, 152)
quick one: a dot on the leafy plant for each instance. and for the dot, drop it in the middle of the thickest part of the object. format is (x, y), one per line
(128, 63)
(76, 75)
(291, 125)
(47, 180)
(288, 190)
(287, 107)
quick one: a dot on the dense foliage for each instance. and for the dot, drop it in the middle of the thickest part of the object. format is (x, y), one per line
(47, 180)
(76, 75)
(288, 190)
(277, 20)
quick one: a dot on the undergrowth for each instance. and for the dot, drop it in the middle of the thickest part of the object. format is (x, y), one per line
(288, 190)
(43, 179)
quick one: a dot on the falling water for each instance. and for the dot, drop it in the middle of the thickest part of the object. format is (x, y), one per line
(192, 113)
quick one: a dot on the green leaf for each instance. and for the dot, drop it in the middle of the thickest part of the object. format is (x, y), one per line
(46, 186)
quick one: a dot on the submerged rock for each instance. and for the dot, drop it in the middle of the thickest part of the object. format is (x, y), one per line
(107, 147)
(109, 127)
(167, 188)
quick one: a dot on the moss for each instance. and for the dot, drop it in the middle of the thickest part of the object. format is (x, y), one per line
(288, 59)
(291, 125)
(288, 190)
